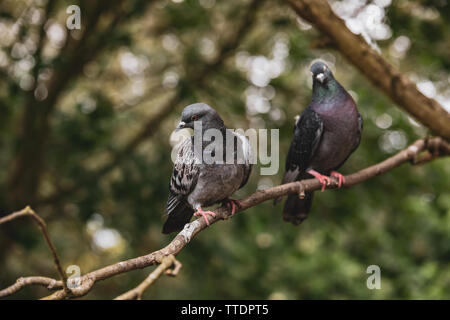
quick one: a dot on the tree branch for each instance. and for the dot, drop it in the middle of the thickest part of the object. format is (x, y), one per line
(166, 263)
(49, 283)
(436, 147)
(43, 227)
(383, 75)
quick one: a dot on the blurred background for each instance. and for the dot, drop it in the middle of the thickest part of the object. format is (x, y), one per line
(85, 137)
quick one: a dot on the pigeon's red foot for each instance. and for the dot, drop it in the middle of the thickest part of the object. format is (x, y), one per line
(324, 180)
(202, 213)
(233, 205)
(340, 177)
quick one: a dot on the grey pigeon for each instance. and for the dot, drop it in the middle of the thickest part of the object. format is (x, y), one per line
(325, 135)
(198, 183)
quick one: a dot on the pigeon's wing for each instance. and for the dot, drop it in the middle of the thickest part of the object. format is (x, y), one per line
(357, 141)
(185, 170)
(308, 131)
(184, 178)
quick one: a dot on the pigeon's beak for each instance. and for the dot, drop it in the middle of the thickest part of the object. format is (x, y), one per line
(320, 77)
(181, 125)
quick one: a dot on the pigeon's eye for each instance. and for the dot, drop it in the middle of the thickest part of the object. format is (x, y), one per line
(194, 118)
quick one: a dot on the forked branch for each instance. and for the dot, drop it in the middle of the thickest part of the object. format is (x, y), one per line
(21, 282)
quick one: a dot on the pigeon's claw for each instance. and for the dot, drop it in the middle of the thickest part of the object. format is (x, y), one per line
(233, 205)
(324, 180)
(340, 177)
(204, 214)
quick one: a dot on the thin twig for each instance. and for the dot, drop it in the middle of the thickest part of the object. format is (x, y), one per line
(27, 211)
(166, 263)
(175, 270)
(49, 283)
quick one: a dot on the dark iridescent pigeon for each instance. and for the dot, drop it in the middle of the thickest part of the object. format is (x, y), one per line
(325, 135)
(195, 183)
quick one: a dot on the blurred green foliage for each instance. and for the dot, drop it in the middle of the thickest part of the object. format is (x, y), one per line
(136, 57)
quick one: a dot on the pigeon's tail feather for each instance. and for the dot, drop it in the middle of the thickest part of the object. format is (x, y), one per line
(178, 217)
(295, 209)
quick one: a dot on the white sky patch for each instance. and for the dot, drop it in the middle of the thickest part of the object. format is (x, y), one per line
(26, 82)
(36, 16)
(19, 50)
(269, 92)
(31, 45)
(242, 60)
(424, 13)
(133, 65)
(427, 87)
(106, 238)
(368, 20)
(383, 121)
(402, 44)
(103, 239)
(383, 3)
(303, 25)
(444, 100)
(260, 70)
(56, 33)
(400, 47)
(393, 141)
(88, 105)
(170, 79)
(138, 87)
(207, 47)
(27, 63)
(435, 90)
(94, 223)
(277, 115)
(255, 101)
(170, 42)
(4, 61)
